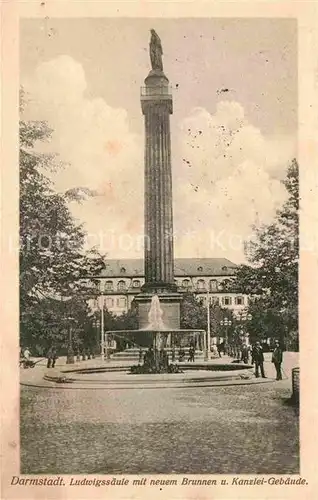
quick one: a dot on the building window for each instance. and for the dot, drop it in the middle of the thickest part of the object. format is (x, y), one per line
(109, 302)
(136, 284)
(213, 285)
(109, 286)
(227, 301)
(225, 285)
(121, 302)
(201, 285)
(215, 301)
(121, 285)
(239, 301)
(186, 284)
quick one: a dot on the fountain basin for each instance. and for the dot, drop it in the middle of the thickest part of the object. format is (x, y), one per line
(118, 377)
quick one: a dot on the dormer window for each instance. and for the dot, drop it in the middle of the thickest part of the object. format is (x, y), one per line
(201, 285)
(224, 268)
(122, 270)
(109, 286)
(121, 285)
(200, 268)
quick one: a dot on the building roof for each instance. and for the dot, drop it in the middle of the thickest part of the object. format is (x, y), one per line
(182, 267)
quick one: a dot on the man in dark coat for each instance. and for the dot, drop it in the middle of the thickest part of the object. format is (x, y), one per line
(245, 353)
(258, 359)
(219, 347)
(141, 356)
(49, 357)
(191, 354)
(173, 355)
(277, 359)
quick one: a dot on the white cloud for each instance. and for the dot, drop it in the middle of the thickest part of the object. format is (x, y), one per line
(228, 179)
(226, 173)
(94, 138)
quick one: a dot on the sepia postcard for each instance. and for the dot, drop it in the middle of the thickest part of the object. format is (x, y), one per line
(159, 249)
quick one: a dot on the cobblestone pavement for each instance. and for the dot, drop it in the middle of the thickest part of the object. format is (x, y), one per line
(242, 429)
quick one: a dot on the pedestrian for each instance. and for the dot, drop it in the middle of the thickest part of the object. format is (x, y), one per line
(258, 359)
(219, 348)
(191, 354)
(54, 356)
(181, 354)
(151, 359)
(49, 358)
(165, 360)
(245, 354)
(277, 359)
(140, 356)
(173, 354)
(147, 360)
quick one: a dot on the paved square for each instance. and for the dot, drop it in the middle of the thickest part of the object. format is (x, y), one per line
(233, 430)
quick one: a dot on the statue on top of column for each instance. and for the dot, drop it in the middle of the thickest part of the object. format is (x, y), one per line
(155, 51)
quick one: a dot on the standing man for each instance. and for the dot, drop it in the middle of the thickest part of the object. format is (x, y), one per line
(54, 356)
(49, 357)
(141, 355)
(191, 354)
(258, 359)
(245, 353)
(219, 348)
(277, 359)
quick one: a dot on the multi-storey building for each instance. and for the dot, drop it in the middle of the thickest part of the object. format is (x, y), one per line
(122, 280)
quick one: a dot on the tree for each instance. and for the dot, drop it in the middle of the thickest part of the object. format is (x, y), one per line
(192, 313)
(272, 276)
(52, 258)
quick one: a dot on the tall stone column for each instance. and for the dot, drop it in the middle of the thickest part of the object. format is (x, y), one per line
(156, 103)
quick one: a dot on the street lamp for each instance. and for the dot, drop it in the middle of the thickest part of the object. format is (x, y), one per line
(208, 338)
(70, 350)
(242, 319)
(226, 322)
(103, 337)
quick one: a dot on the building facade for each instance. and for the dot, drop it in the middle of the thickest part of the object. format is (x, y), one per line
(122, 280)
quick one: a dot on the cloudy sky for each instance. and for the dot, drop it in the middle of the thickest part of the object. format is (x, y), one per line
(233, 128)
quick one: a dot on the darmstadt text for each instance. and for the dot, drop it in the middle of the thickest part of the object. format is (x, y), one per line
(81, 481)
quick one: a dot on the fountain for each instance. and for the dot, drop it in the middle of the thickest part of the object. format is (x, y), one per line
(155, 315)
(159, 302)
(158, 336)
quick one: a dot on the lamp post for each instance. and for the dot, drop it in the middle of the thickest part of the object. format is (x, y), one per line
(208, 338)
(242, 319)
(103, 336)
(70, 350)
(102, 328)
(226, 322)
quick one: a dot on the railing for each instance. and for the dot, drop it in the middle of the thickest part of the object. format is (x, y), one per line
(161, 90)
